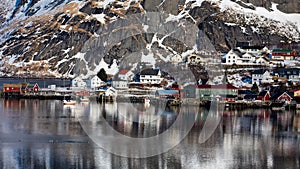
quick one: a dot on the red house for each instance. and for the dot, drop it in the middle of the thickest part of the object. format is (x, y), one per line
(264, 96)
(32, 88)
(282, 97)
(12, 88)
(283, 54)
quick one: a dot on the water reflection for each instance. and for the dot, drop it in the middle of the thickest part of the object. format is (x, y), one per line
(46, 134)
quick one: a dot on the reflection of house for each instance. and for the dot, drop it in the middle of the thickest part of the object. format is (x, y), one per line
(111, 92)
(125, 75)
(220, 92)
(283, 54)
(261, 76)
(32, 88)
(291, 74)
(151, 76)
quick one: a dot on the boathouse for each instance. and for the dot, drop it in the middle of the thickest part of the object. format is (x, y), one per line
(32, 88)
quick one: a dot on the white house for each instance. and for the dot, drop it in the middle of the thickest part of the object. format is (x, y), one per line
(79, 83)
(255, 50)
(96, 82)
(261, 76)
(231, 56)
(125, 75)
(151, 76)
(262, 60)
(235, 56)
(120, 84)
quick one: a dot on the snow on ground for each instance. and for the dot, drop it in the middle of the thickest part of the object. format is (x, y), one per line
(260, 11)
(149, 58)
(100, 17)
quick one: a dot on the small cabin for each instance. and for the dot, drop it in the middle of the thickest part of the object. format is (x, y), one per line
(32, 88)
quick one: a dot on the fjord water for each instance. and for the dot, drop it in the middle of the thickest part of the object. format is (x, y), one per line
(47, 134)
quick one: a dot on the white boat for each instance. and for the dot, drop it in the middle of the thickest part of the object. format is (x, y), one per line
(69, 102)
(84, 99)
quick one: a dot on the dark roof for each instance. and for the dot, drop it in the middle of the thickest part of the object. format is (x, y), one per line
(282, 51)
(31, 85)
(242, 44)
(149, 72)
(238, 52)
(221, 86)
(288, 71)
(259, 71)
(252, 47)
(250, 96)
(246, 92)
(262, 93)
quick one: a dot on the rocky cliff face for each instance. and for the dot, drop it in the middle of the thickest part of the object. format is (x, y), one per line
(51, 38)
(286, 6)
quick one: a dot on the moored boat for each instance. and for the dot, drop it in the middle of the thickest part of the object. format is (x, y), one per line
(69, 102)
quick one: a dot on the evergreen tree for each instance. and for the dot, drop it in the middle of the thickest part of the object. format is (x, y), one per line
(254, 88)
(102, 75)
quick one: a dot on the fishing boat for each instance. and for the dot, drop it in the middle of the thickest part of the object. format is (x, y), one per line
(69, 102)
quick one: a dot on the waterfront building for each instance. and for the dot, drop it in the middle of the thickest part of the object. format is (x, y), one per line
(32, 88)
(223, 92)
(78, 82)
(264, 96)
(12, 88)
(282, 97)
(125, 75)
(189, 91)
(96, 82)
(150, 76)
(120, 83)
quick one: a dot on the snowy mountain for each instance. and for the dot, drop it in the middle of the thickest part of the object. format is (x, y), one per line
(70, 38)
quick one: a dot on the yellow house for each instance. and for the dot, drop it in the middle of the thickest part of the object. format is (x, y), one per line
(296, 92)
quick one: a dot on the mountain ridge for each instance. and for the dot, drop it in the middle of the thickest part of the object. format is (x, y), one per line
(49, 41)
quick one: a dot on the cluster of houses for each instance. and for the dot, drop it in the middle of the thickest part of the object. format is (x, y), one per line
(266, 69)
(246, 55)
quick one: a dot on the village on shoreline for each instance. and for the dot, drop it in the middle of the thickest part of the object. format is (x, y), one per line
(251, 76)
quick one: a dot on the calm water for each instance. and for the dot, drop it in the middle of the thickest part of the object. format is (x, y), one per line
(46, 134)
